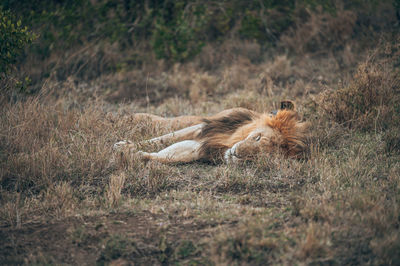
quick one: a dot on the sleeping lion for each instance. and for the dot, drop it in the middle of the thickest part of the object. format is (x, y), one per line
(233, 136)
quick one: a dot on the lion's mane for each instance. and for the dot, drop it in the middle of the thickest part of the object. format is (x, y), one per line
(220, 134)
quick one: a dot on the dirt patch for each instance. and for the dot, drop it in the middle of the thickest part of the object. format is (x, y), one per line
(121, 238)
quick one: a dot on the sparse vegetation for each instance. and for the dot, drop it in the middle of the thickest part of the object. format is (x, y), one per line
(14, 38)
(66, 198)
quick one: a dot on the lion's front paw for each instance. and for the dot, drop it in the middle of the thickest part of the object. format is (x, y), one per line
(230, 156)
(121, 145)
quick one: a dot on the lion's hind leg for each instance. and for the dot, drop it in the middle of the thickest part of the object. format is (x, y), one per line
(187, 133)
(185, 150)
(174, 123)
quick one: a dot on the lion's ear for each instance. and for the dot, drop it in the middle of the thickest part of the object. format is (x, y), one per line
(287, 104)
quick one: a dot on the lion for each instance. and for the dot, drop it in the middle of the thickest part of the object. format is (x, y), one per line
(233, 135)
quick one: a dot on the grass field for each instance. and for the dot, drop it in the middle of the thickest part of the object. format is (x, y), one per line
(66, 198)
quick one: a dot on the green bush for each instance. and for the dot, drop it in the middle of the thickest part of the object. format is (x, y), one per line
(13, 39)
(172, 30)
(175, 43)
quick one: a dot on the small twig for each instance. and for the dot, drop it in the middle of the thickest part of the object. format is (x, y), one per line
(147, 93)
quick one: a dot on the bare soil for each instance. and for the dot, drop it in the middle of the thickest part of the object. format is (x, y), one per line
(83, 240)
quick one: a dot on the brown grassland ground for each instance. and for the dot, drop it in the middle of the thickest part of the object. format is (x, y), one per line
(66, 199)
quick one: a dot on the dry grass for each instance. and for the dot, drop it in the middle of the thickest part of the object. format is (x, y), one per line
(370, 100)
(113, 194)
(339, 205)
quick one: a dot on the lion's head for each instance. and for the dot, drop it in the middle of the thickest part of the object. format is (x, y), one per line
(270, 134)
